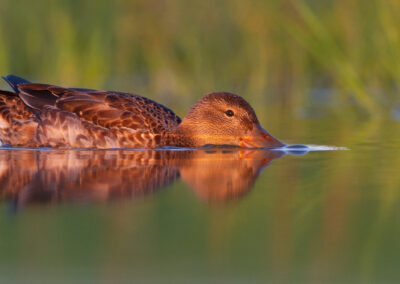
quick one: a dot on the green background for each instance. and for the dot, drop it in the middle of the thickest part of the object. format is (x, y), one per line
(316, 72)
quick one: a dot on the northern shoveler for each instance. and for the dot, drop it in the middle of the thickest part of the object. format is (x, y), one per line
(38, 115)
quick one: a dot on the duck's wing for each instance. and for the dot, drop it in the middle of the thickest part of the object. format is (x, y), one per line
(105, 109)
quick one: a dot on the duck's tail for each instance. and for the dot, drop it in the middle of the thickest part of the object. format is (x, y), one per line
(14, 81)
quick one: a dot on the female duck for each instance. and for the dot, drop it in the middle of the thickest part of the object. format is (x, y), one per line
(37, 115)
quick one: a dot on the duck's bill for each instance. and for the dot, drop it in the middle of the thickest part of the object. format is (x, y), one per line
(259, 138)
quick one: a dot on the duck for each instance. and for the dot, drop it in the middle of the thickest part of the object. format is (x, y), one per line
(38, 115)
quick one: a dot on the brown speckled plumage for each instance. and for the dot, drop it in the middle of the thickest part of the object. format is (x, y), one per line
(17, 123)
(38, 115)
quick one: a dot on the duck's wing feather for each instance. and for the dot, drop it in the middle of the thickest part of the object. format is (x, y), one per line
(106, 109)
(14, 81)
(36, 96)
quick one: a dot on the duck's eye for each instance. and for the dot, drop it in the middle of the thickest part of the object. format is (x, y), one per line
(229, 112)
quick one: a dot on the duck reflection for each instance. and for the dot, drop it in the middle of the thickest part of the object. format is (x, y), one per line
(218, 174)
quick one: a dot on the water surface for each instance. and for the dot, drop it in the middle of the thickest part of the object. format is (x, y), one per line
(219, 215)
(55, 176)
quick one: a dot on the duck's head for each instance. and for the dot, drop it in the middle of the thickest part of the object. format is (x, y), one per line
(225, 119)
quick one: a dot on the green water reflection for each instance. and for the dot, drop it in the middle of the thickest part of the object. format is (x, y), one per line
(205, 216)
(55, 176)
(324, 73)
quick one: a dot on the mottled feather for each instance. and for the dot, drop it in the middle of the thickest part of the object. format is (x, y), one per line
(17, 123)
(106, 109)
(45, 115)
(69, 117)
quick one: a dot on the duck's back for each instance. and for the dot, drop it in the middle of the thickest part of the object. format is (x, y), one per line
(71, 117)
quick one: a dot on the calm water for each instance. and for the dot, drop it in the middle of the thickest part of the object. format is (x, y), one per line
(218, 215)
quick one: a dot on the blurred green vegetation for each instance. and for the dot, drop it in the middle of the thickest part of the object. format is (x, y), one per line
(324, 215)
(268, 51)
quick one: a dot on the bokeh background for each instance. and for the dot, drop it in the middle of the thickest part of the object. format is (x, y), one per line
(316, 72)
(279, 52)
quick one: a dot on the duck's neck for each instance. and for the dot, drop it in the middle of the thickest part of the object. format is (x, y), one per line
(181, 136)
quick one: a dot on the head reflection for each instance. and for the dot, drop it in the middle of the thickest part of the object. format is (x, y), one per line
(215, 175)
